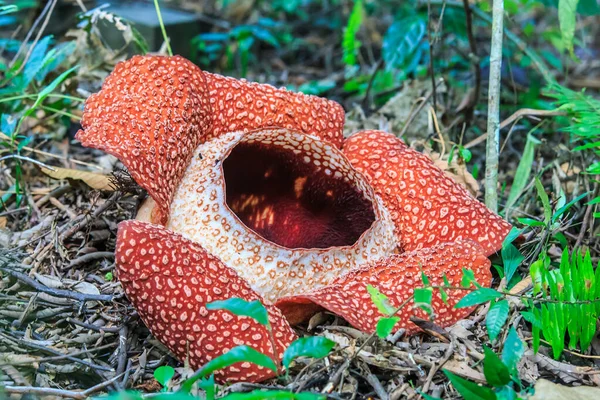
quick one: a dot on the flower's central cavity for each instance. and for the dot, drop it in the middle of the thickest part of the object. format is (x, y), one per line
(294, 200)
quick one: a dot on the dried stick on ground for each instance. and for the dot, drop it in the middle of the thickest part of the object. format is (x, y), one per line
(56, 292)
(493, 124)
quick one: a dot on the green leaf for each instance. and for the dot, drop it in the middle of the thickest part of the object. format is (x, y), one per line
(237, 354)
(511, 258)
(512, 235)
(496, 318)
(315, 347)
(446, 281)
(567, 10)
(254, 309)
(350, 44)
(385, 326)
(566, 207)
(512, 352)
(478, 296)
(530, 222)
(402, 42)
(470, 390)
(523, 172)
(468, 278)
(545, 202)
(380, 300)
(465, 154)
(208, 385)
(49, 89)
(443, 295)
(425, 279)
(163, 375)
(423, 296)
(496, 373)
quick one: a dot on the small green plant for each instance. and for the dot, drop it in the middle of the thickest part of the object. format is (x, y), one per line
(569, 302)
(350, 44)
(501, 373)
(24, 91)
(315, 347)
(237, 44)
(583, 125)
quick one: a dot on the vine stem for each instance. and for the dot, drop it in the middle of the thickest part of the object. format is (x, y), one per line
(493, 123)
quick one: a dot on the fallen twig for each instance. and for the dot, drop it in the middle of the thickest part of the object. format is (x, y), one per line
(56, 292)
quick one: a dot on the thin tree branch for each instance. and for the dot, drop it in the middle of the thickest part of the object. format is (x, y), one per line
(493, 123)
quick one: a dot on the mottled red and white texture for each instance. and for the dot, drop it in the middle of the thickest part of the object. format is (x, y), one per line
(169, 280)
(260, 202)
(153, 112)
(200, 213)
(396, 277)
(428, 206)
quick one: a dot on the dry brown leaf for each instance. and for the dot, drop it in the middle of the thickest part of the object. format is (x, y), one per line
(462, 369)
(3, 222)
(522, 286)
(547, 390)
(456, 171)
(92, 179)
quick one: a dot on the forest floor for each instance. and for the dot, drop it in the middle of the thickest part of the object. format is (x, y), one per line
(68, 331)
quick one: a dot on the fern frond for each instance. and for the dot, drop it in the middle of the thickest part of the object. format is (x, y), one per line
(350, 44)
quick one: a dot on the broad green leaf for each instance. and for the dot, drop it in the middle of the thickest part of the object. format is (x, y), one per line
(496, 373)
(512, 258)
(512, 352)
(530, 222)
(241, 353)
(385, 326)
(470, 390)
(36, 61)
(595, 200)
(478, 296)
(465, 154)
(402, 42)
(254, 309)
(545, 202)
(496, 318)
(512, 235)
(523, 171)
(315, 347)
(274, 395)
(567, 12)
(468, 278)
(423, 296)
(163, 375)
(208, 385)
(380, 300)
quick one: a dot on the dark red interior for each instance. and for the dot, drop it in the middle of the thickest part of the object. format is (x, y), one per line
(290, 202)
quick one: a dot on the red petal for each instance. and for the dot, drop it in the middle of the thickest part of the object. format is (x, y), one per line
(243, 106)
(427, 206)
(153, 111)
(169, 279)
(396, 277)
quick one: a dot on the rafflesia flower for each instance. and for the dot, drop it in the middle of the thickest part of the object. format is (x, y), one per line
(256, 194)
